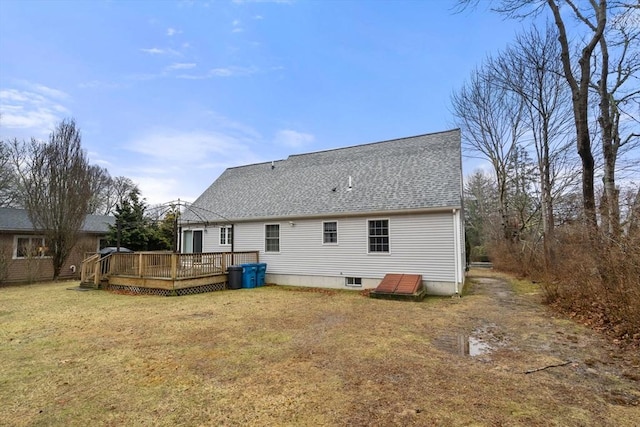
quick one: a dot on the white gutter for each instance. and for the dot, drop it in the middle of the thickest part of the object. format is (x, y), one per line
(456, 249)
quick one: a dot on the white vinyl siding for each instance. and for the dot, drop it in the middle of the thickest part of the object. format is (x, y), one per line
(422, 244)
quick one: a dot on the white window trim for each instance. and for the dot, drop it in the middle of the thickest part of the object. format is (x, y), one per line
(193, 230)
(227, 240)
(264, 239)
(27, 236)
(354, 279)
(389, 236)
(337, 234)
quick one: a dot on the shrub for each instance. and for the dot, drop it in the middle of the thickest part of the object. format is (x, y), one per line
(595, 277)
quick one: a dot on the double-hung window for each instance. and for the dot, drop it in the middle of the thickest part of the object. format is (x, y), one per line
(272, 238)
(379, 236)
(330, 233)
(226, 235)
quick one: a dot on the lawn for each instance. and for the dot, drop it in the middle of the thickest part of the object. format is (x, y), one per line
(291, 356)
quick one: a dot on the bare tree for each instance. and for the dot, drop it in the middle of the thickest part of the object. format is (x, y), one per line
(530, 68)
(100, 180)
(56, 183)
(8, 189)
(577, 70)
(579, 84)
(112, 192)
(617, 65)
(491, 119)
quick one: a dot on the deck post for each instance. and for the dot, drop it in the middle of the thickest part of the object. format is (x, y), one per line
(174, 266)
(96, 272)
(140, 267)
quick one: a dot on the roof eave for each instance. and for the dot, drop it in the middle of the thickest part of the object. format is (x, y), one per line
(393, 212)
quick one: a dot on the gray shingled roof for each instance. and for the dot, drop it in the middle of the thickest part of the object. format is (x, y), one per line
(409, 173)
(12, 219)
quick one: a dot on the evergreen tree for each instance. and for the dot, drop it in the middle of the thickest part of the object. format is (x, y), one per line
(131, 229)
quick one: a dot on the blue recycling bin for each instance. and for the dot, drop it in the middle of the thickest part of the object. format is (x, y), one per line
(262, 271)
(249, 275)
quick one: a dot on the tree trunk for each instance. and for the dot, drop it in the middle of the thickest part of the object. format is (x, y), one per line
(580, 96)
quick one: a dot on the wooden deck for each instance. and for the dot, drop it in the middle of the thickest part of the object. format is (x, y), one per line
(163, 273)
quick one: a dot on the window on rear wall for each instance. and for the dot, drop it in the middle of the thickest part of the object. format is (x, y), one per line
(379, 236)
(272, 238)
(330, 233)
(226, 235)
(353, 281)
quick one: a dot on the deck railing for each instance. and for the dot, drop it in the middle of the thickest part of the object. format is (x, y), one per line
(162, 265)
(89, 267)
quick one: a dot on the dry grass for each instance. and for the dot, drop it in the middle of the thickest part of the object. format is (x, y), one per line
(279, 356)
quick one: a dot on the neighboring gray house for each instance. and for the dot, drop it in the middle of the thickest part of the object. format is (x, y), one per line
(343, 218)
(24, 256)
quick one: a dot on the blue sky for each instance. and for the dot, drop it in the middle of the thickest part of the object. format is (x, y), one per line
(170, 93)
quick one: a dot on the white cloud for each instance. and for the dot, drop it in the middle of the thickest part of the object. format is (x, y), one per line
(181, 66)
(153, 51)
(47, 91)
(237, 28)
(172, 163)
(292, 138)
(222, 72)
(264, 1)
(232, 127)
(158, 51)
(178, 147)
(172, 32)
(232, 71)
(36, 110)
(159, 190)
(98, 84)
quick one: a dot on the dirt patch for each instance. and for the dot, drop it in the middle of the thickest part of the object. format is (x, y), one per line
(270, 356)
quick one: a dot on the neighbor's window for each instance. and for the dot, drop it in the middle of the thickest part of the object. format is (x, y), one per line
(31, 247)
(379, 235)
(330, 232)
(272, 238)
(353, 281)
(226, 235)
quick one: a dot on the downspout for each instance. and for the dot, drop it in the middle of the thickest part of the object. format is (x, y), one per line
(456, 250)
(233, 239)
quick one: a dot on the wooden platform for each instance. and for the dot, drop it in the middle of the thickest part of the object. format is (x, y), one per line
(162, 273)
(400, 287)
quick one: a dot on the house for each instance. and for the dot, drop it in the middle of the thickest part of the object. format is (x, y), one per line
(23, 254)
(343, 218)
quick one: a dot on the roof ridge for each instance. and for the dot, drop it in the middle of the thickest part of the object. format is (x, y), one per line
(373, 143)
(343, 148)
